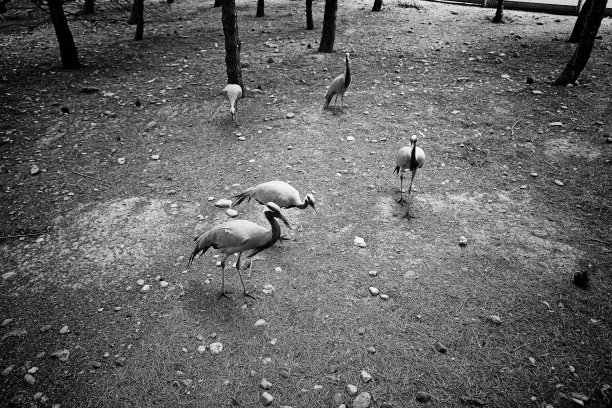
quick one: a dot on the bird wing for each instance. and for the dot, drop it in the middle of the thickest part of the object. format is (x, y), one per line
(337, 86)
(420, 156)
(239, 235)
(403, 157)
(279, 192)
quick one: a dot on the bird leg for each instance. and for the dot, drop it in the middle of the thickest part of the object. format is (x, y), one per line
(411, 180)
(342, 103)
(401, 200)
(223, 292)
(240, 275)
(335, 102)
(408, 215)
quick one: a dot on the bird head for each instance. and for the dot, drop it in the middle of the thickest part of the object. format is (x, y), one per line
(413, 139)
(275, 210)
(311, 201)
(347, 55)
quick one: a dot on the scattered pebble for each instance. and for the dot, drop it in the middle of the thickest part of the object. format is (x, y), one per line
(33, 370)
(231, 212)
(64, 329)
(532, 361)
(495, 319)
(371, 350)
(351, 390)
(266, 399)
(187, 382)
(8, 370)
(290, 115)
(278, 269)
(45, 328)
(121, 160)
(284, 374)
(145, 288)
(6, 322)
(201, 349)
(34, 170)
(140, 282)
(373, 273)
(423, 396)
(559, 183)
(223, 203)
(384, 297)
(350, 138)
(155, 157)
(38, 395)
(265, 384)
(534, 174)
(120, 361)
(163, 284)
(361, 330)
(29, 378)
(555, 124)
(373, 291)
(365, 376)
(462, 241)
(260, 322)
(536, 92)
(358, 241)
(363, 400)
(215, 348)
(8, 275)
(96, 364)
(440, 347)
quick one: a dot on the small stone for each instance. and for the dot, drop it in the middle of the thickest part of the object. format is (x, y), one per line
(373, 291)
(33, 370)
(358, 241)
(423, 397)
(266, 399)
(338, 398)
(163, 284)
(8, 275)
(373, 273)
(155, 157)
(532, 361)
(223, 203)
(41, 354)
(523, 187)
(215, 348)
(201, 349)
(8, 370)
(34, 170)
(117, 308)
(278, 269)
(290, 115)
(555, 124)
(559, 183)
(45, 328)
(351, 390)
(495, 319)
(121, 160)
(38, 395)
(96, 364)
(534, 174)
(462, 241)
(536, 92)
(363, 400)
(265, 384)
(361, 331)
(64, 329)
(371, 350)
(365, 376)
(260, 322)
(284, 374)
(140, 282)
(29, 378)
(384, 297)
(145, 288)
(6, 322)
(440, 347)
(350, 138)
(231, 212)
(120, 361)
(187, 382)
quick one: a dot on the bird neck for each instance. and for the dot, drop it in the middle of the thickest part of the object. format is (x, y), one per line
(275, 228)
(303, 205)
(413, 160)
(347, 74)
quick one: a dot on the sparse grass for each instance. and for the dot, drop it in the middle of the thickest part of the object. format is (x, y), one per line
(524, 244)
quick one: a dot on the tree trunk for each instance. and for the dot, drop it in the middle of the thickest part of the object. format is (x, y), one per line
(583, 50)
(260, 8)
(229, 18)
(133, 20)
(377, 5)
(329, 26)
(68, 50)
(309, 22)
(499, 13)
(218, 3)
(580, 22)
(139, 20)
(88, 7)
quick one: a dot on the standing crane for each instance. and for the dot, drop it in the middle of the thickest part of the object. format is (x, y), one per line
(411, 158)
(339, 86)
(233, 92)
(237, 236)
(282, 194)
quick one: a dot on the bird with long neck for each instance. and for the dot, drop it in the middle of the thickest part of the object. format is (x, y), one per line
(411, 158)
(338, 86)
(233, 92)
(238, 236)
(278, 192)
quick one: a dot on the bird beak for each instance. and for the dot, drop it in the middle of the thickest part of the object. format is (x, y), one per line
(282, 217)
(315, 210)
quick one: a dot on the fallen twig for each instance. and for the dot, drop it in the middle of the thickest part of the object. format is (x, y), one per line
(600, 241)
(21, 235)
(512, 128)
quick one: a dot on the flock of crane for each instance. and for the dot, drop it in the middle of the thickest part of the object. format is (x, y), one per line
(238, 236)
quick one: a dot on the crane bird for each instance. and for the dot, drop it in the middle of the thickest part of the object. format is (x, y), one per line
(233, 92)
(282, 194)
(339, 86)
(237, 236)
(410, 158)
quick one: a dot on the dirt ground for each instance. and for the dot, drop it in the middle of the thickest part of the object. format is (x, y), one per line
(114, 192)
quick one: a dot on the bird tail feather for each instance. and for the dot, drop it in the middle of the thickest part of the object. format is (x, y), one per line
(197, 250)
(242, 196)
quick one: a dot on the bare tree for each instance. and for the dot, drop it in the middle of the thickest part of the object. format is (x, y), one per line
(499, 13)
(260, 8)
(329, 26)
(229, 19)
(582, 53)
(309, 21)
(580, 22)
(139, 7)
(377, 5)
(68, 50)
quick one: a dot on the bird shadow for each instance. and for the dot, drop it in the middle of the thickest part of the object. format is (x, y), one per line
(203, 300)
